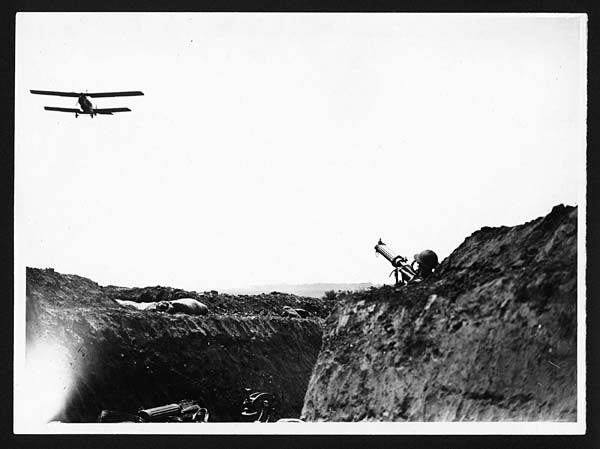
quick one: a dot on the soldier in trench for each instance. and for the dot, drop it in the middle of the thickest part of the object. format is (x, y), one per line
(425, 262)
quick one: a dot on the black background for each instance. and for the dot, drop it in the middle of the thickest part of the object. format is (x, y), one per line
(9, 440)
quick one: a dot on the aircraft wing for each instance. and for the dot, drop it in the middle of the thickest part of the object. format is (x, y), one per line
(109, 111)
(58, 94)
(52, 108)
(115, 94)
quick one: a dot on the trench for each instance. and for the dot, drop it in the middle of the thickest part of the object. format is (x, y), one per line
(124, 360)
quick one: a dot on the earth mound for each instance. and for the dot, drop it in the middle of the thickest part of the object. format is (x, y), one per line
(491, 335)
(118, 358)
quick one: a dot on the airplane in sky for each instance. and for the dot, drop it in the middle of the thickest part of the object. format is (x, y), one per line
(85, 104)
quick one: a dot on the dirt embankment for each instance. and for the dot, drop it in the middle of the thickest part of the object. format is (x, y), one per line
(490, 336)
(246, 305)
(123, 359)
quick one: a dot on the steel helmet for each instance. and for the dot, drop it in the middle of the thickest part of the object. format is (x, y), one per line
(427, 259)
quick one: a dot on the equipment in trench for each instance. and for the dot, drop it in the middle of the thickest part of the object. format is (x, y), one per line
(420, 267)
(183, 411)
(258, 406)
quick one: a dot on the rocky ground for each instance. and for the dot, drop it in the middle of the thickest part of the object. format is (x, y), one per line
(123, 359)
(490, 336)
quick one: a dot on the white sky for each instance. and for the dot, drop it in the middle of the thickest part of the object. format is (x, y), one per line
(278, 148)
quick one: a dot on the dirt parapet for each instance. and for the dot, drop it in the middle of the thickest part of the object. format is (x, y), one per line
(490, 336)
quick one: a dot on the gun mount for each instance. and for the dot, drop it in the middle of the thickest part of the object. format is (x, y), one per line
(403, 271)
(258, 406)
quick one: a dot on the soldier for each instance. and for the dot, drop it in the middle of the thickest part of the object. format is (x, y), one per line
(426, 261)
(421, 267)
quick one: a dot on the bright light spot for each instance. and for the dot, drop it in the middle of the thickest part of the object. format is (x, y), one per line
(47, 381)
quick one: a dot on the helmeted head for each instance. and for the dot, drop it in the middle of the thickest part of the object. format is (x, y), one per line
(427, 260)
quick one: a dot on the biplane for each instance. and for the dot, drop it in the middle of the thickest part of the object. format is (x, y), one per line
(85, 105)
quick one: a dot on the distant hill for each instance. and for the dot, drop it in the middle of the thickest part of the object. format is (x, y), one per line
(311, 290)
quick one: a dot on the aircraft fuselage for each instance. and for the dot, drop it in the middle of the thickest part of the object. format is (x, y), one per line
(85, 104)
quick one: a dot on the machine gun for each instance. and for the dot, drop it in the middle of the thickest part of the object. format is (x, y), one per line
(403, 271)
(184, 411)
(181, 412)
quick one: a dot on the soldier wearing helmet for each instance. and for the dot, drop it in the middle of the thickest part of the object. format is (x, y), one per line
(425, 263)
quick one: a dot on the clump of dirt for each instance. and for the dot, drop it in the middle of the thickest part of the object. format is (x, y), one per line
(491, 335)
(147, 294)
(124, 359)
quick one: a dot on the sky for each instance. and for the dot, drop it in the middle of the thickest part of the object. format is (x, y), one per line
(278, 148)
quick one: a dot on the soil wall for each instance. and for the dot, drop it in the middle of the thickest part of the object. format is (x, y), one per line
(490, 336)
(123, 359)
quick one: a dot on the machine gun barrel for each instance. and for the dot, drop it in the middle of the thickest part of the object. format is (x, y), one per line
(394, 259)
(160, 413)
